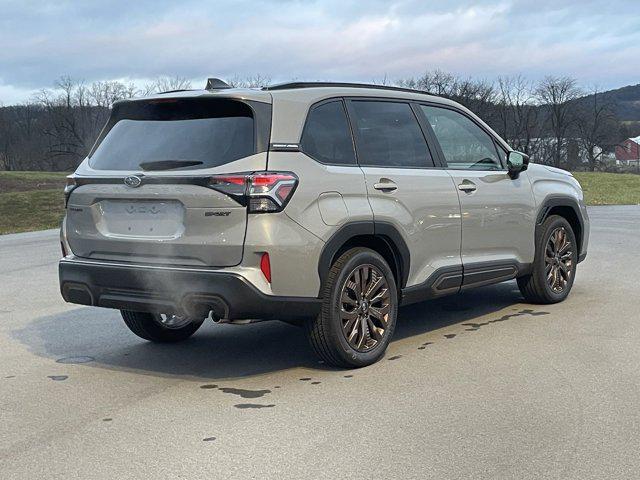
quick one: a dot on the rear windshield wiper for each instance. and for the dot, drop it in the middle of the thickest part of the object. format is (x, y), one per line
(168, 164)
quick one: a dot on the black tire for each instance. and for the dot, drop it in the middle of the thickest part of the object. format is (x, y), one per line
(149, 327)
(536, 288)
(326, 333)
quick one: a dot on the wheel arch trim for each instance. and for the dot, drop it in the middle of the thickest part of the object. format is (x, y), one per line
(385, 231)
(562, 201)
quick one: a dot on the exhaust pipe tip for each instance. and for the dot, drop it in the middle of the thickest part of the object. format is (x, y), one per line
(203, 306)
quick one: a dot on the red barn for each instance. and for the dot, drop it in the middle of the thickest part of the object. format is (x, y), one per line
(629, 152)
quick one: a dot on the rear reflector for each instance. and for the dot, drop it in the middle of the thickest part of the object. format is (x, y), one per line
(265, 266)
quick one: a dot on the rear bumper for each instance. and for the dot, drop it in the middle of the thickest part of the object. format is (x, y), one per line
(168, 290)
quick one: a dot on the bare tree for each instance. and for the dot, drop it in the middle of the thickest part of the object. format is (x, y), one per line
(106, 93)
(517, 115)
(557, 94)
(251, 81)
(477, 95)
(165, 84)
(597, 127)
(435, 82)
(74, 115)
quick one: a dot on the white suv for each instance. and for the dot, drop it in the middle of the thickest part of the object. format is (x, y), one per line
(323, 204)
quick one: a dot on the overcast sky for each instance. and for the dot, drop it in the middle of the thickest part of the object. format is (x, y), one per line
(596, 41)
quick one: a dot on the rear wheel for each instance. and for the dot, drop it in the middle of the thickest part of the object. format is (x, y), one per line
(554, 266)
(160, 327)
(359, 310)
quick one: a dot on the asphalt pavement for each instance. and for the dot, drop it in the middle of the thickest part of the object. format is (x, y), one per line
(478, 385)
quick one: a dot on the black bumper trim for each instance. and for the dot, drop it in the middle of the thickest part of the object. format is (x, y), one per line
(167, 290)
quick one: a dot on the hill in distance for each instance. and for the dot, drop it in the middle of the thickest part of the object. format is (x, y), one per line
(625, 102)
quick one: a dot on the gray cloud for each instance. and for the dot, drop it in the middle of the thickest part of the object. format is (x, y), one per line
(596, 41)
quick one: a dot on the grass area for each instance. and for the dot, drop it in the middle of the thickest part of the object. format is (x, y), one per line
(30, 201)
(610, 188)
(30, 181)
(28, 211)
(33, 200)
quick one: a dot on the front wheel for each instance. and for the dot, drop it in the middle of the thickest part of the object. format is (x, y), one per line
(554, 266)
(359, 310)
(160, 327)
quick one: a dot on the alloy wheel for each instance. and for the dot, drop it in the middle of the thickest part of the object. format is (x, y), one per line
(365, 305)
(558, 260)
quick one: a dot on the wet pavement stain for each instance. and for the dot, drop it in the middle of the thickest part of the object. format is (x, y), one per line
(245, 393)
(209, 439)
(237, 391)
(476, 326)
(58, 378)
(73, 360)
(253, 405)
(395, 357)
(450, 335)
(533, 313)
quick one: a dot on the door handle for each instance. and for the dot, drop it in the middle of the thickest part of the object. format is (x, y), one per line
(467, 186)
(385, 186)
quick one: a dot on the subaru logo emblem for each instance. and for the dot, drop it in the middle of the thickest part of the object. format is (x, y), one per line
(132, 181)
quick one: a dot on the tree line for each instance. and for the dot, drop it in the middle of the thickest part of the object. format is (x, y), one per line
(553, 120)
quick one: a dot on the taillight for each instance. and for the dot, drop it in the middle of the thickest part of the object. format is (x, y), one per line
(261, 192)
(71, 184)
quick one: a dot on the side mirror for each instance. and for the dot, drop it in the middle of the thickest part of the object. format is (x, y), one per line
(516, 162)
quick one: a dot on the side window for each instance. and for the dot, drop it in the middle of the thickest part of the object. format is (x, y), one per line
(389, 135)
(464, 144)
(327, 137)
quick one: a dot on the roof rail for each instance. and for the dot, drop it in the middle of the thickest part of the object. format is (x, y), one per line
(296, 85)
(175, 91)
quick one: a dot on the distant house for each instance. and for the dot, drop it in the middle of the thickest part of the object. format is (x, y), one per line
(629, 152)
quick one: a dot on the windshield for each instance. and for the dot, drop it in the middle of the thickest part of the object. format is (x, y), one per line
(169, 134)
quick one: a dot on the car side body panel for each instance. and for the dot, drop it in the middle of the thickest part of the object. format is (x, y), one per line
(553, 187)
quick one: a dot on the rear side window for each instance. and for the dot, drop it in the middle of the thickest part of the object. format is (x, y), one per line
(389, 135)
(464, 144)
(327, 137)
(170, 134)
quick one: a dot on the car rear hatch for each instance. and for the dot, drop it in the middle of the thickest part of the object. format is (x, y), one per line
(144, 193)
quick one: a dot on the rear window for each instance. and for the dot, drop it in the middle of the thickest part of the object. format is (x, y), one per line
(327, 136)
(169, 134)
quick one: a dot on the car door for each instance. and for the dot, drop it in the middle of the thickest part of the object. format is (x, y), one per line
(408, 191)
(498, 212)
